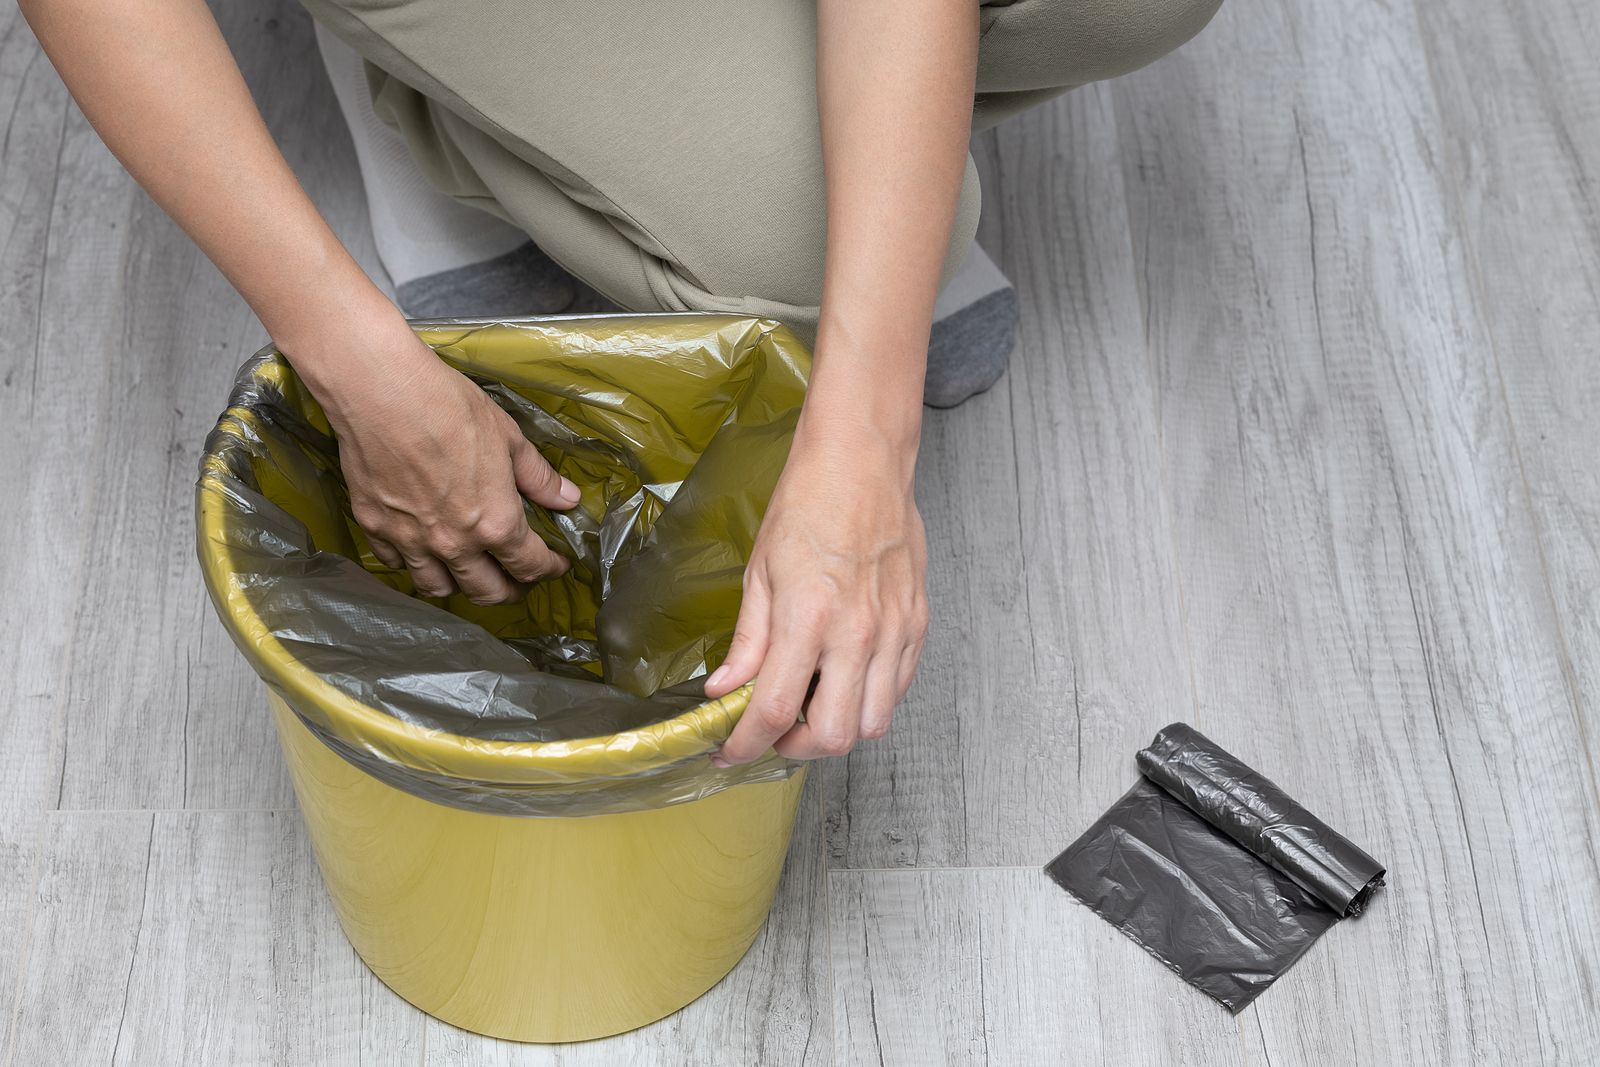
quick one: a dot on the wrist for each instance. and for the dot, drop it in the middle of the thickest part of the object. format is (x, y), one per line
(863, 398)
(863, 431)
(867, 376)
(865, 413)
(318, 305)
(347, 344)
(325, 312)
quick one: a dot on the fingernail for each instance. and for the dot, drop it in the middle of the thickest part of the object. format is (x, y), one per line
(716, 677)
(569, 491)
(720, 763)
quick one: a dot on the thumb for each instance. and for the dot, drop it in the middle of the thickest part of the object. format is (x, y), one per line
(749, 646)
(538, 481)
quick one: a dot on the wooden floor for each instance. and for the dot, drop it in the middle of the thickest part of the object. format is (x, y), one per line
(1301, 443)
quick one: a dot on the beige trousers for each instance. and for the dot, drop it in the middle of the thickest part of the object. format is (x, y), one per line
(668, 152)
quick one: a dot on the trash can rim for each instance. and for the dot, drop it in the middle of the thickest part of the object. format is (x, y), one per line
(694, 732)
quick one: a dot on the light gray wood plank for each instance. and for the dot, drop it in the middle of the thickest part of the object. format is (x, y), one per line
(40, 478)
(772, 1009)
(231, 756)
(161, 711)
(1327, 281)
(238, 940)
(89, 912)
(999, 966)
(1056, 647)
(1105, 645)
(184, 937)
(1360, 572)
(19, 855)
(1524, 163)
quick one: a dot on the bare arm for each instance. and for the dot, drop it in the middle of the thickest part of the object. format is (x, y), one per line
(434, 467)
(157, 82)
(836, 584)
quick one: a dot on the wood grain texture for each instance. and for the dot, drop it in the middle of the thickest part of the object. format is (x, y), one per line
(88, 912)
(998, 966)
(1299, 443)
(181, 937)
(1361, 574)
(1523, 167)
(36, 606)
(160, 713)
(1056, 647)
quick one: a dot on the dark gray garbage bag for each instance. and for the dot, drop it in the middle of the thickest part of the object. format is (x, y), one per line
(1214, 870)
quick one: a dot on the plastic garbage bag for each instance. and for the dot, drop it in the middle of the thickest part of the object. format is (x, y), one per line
(1214, 870)
(584, 697)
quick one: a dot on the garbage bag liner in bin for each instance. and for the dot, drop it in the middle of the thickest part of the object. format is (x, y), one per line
(513, 806)
(1214, 870)
(675, 429)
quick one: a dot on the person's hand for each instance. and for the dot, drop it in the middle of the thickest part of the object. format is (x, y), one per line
(835, 587)
(437, 471)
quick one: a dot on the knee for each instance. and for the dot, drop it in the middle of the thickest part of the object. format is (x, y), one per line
(770, 261)
(761, 251)
(1055, 43)
(1130, 34)
(1157, 27)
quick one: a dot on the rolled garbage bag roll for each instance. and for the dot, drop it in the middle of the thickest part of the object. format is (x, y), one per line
(1255, 812)
(1214, 870)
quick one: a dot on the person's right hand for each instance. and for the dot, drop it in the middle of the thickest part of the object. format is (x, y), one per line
(436, 470)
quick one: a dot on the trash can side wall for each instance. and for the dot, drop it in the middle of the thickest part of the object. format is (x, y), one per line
(513, 845)
(541, 929)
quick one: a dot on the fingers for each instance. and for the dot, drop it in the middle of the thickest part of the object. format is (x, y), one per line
(428, 575)
(446, 499)
(749, 645)
(488, 561)
(527, 559)
(481, 579)
(857, 690)
(489, 564)
(500, 552)
(387, 554)
(537, 480)
(833, 718)
(907, 668)
(779, 694)
(880, 695)
(517, 550)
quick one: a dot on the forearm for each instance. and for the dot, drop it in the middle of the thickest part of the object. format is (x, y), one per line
(894, 89)
(156, 80)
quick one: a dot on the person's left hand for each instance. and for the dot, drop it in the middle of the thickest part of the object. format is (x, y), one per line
(835, 586)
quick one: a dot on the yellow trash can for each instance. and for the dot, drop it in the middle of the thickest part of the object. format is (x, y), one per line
(513, 807)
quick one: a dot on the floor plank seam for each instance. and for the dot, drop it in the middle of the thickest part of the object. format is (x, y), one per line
(169, 811)
(1454, 317)
(936, 869)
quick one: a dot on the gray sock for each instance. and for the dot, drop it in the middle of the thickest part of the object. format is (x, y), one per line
(974, 331)
(523, 281)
